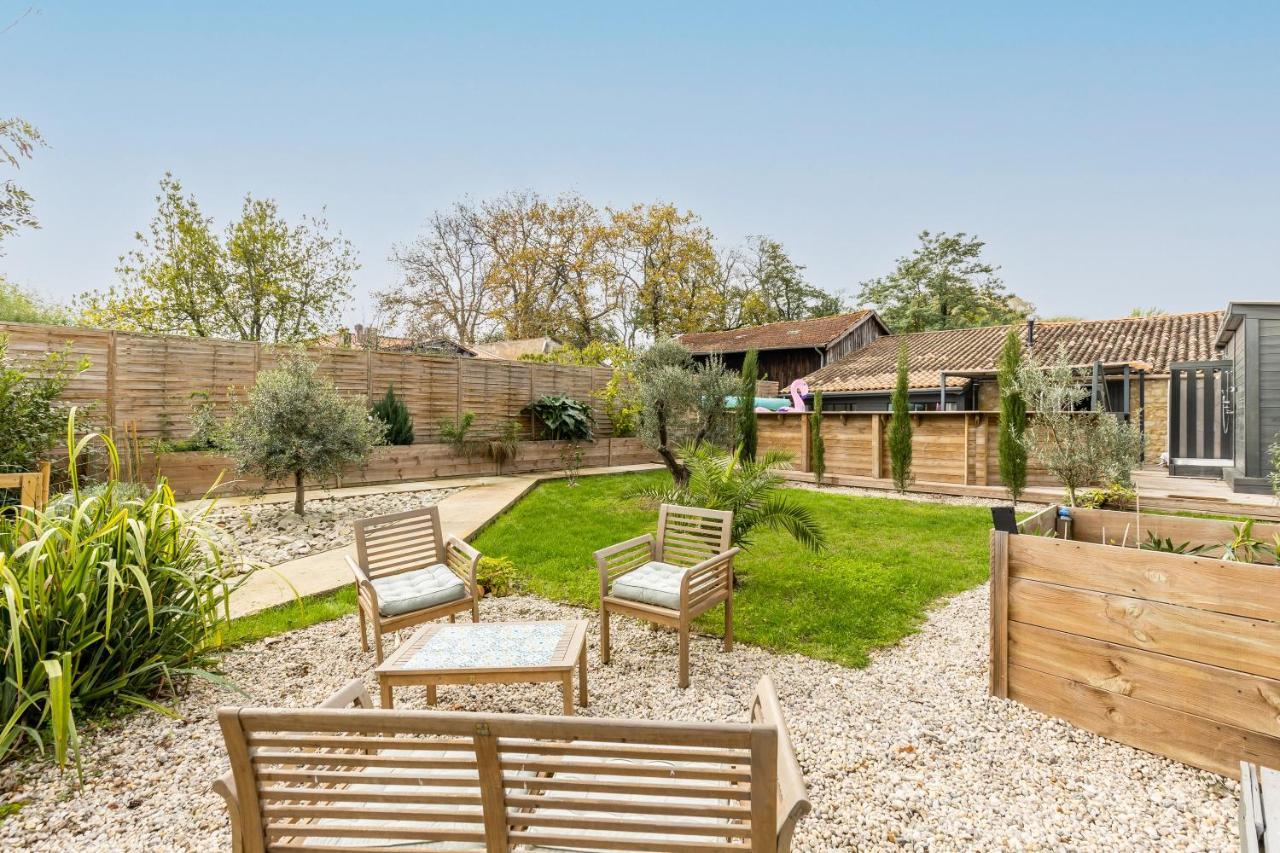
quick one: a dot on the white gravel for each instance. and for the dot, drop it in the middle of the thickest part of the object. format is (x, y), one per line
(909, 753)
(270, 533)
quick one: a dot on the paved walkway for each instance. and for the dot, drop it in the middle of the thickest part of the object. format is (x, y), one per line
(462, 514)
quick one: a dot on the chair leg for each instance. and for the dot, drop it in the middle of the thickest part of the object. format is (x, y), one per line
(604, 634)
(364, 630)
(377, 639)
(475, 609)
(452, 617)
(728, 623)
(684, 654)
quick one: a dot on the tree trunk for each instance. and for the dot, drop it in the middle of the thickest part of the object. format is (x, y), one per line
(299, 494)
(679, 472)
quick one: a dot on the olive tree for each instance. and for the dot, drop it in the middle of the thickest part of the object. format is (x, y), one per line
(296, 425)
(682, 402)
(1080, 448)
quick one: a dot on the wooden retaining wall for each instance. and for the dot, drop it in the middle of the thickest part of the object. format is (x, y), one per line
(948, 447)
(193, 474)
(150, 383)
(1173, 654)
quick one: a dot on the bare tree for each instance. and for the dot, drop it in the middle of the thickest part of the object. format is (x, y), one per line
(444, 286)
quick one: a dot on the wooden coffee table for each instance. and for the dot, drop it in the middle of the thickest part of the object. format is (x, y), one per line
(489, 653)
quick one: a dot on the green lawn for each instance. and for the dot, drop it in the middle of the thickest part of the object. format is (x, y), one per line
(887, 561)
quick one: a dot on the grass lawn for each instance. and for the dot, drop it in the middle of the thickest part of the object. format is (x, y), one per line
(886, 562)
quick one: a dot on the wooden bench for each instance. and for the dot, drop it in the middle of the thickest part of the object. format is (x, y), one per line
(346, 776)
(1259, 809)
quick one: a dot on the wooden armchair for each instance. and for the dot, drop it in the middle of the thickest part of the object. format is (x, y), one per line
(408, 572)
(671, 580)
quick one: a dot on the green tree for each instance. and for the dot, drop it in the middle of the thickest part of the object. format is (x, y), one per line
(264, 280)
(943, 284)
(773, 287)
(1013, 418)
(682, 403)
(392, 411)
(817, 445)
(18, 305)
(748, 429)
(296, 425)
(18, 139)
(900, 426)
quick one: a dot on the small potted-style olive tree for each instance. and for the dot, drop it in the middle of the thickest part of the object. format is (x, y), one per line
(296, 425)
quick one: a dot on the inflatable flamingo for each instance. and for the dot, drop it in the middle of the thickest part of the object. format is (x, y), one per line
(798, 389)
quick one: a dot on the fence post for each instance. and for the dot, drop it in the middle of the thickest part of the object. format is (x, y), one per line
(1000, 614)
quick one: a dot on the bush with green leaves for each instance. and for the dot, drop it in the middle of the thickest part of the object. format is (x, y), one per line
(900, 430)
(31, 414)
(497, 576)
(561, 418)
(682, 403)
(457, 434)
(1274, 450)
(392, 411)
(748, 427)
(111, 595)
(750, 488)
(1112, 496)
(296, 426)
(505, 446)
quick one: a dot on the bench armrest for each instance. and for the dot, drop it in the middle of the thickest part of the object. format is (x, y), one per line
(463, 560)
(793, 798)
(623, 557)
(352, 695)
(363, 584)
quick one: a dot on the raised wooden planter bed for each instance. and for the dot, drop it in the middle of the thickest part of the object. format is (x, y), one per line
(32, 486)
(1174, 654)
(191, 474)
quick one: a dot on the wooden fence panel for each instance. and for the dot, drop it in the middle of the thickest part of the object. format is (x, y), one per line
(1175, 654)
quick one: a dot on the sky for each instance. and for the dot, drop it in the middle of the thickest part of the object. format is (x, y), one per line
(1111, 155)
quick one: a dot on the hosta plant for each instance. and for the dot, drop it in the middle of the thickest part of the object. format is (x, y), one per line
(110, 595)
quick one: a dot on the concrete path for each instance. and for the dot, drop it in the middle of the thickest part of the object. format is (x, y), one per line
(462, 514)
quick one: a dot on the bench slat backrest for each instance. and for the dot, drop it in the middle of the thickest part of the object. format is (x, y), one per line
(497, 782)
(402, 542)
(688, 535)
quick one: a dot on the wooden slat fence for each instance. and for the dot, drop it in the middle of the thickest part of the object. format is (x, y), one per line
(151, 383)
(1174, 654)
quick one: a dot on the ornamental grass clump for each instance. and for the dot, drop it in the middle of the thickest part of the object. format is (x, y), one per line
(110, 595)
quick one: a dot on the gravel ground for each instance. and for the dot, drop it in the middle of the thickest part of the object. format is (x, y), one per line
(916, 497)
(909, 753)
(269, 533)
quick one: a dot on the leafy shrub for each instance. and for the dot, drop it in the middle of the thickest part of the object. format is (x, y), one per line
(562, 418)
(900, 448)
(682, 402)
(296, 425)
(1116, 496)
(1168, 546)
(817, 444)
(751, 489)
(392, 411)
(457, 434)
(748, 428)
(619, 398)
(111, 595)
(1012, 449)
(498, 576)
(31, 417)
(571, 462)
(1274, 450)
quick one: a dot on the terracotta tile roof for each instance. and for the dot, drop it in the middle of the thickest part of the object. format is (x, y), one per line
(786, 334)
(1157, 341)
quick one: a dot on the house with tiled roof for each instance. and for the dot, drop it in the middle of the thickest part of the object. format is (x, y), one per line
(955, 369)
(790, 349)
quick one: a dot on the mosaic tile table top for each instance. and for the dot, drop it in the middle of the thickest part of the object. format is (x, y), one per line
(489, 646)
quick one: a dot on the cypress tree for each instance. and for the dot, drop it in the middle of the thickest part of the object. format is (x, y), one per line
(392, 411)
(748, 430)
(1013, 419)
(900, 427)
(817, 447)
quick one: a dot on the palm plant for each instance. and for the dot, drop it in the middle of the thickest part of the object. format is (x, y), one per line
(751, 488)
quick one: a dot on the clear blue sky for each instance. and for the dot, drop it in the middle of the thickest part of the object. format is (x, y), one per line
(1111, 154)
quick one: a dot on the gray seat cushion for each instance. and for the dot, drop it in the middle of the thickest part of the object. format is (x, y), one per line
(417, 590)
(653, 583)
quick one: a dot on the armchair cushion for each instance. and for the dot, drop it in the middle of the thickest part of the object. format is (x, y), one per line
(652, 583)
(417, 590)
